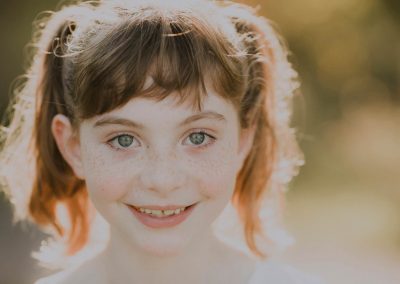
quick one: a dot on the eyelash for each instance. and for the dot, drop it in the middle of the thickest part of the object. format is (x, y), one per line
(200, 131)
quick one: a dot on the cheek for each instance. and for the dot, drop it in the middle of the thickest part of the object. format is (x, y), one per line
(217, 173)
(104, 180)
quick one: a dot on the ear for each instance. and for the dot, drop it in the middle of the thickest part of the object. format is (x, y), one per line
(246, 138)
(68, 143)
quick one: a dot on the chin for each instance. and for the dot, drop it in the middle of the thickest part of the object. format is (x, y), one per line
(163, 249)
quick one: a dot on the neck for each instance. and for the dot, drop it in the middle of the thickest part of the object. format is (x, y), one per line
(128, 264)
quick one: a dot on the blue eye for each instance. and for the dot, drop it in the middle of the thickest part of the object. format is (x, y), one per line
(198, 138)
(122, 141)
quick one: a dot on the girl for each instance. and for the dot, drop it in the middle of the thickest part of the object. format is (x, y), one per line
(170, 120)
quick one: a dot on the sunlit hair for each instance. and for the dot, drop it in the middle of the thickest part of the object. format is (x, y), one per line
(93, 57)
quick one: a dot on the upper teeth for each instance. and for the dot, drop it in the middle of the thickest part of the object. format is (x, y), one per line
(160, 213)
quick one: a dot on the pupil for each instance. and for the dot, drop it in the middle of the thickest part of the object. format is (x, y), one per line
(197, 138)
(125, 140)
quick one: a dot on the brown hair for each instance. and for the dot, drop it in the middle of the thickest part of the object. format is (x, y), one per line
(89, 59)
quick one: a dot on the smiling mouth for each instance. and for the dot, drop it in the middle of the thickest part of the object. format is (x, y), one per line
(160, 211)
(157, 218)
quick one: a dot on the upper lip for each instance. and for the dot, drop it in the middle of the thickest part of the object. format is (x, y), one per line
(158, 207)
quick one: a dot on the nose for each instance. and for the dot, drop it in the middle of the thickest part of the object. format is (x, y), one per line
(161, 174)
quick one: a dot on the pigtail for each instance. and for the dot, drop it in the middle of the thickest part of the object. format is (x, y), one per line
(55, 181)
(256, 171)
(48, 178)
(274, 158)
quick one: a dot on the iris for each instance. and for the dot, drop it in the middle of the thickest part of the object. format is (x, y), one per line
(197, 138)
(125, 140)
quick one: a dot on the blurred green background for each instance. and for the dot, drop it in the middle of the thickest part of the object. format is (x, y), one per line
(344, 207)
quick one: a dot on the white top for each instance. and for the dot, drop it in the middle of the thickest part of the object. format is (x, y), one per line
(273, 272)
(267, 272)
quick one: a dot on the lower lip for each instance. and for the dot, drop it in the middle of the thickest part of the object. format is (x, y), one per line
(161, 222)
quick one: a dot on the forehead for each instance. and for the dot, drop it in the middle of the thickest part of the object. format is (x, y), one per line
(172, 110)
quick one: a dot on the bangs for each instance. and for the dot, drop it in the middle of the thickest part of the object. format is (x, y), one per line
(153, 56)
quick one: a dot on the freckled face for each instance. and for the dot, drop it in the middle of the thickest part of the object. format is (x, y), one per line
(161, 153)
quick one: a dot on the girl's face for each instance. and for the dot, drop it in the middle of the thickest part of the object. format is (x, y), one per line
(156, 155)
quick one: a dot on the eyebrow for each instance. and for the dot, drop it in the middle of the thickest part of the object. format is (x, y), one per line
(111, 120)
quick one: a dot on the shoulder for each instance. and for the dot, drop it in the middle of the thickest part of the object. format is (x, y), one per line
(280, 273)
(80, 274)
(58, 278)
